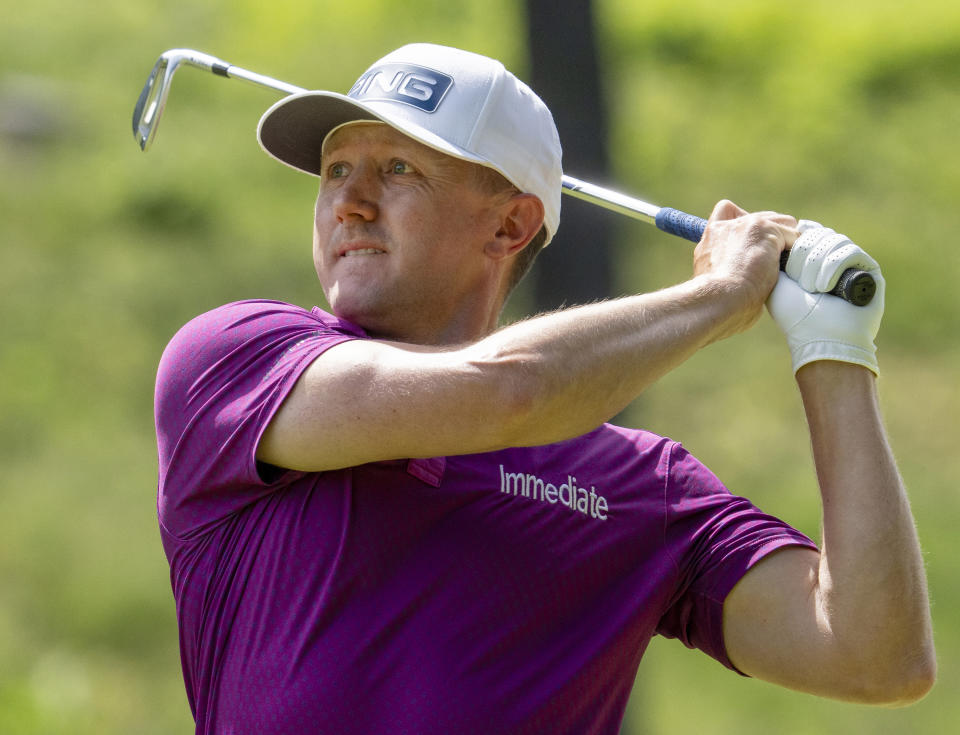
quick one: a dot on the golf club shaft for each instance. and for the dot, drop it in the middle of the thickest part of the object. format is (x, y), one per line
(236, 72)
(854, 286)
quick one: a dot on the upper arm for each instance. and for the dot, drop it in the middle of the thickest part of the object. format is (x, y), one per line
(776, 628)
(771, 628)
(363, 401)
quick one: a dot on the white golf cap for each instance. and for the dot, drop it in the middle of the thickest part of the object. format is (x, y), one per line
(459, 103)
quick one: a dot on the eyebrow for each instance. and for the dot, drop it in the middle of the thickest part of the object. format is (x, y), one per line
(341, 138)
(405, 146)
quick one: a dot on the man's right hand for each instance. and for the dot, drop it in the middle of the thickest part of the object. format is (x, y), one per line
(739, 253)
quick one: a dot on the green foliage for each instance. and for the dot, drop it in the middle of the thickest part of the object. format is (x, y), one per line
(845, 112)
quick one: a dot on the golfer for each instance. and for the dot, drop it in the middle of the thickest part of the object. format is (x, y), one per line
(397, 518)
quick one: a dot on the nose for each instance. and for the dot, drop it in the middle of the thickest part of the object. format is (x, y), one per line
(357, 197)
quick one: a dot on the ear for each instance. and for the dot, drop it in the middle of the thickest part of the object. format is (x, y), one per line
(521, 217)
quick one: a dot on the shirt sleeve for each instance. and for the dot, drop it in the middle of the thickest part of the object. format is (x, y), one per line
(715, 537)
(219, 383)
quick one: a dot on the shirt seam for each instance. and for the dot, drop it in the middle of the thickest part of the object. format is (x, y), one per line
(666, 513)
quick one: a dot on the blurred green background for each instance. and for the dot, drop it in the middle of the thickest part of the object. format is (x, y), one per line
(844, 112)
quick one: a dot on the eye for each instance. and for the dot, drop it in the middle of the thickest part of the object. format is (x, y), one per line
(337, 170)
(400, 167)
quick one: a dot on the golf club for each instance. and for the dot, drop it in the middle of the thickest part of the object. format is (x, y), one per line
(855, 286)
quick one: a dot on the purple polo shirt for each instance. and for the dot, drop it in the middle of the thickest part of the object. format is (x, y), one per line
(507, 592)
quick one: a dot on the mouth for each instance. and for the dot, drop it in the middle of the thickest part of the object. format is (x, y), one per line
(356, 252)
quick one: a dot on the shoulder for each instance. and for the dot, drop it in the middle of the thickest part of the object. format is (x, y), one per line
(232, 325)
(619, 443)
(243, 317)
(243, 339)
(614, 456)
(655, 462)
(615, 448)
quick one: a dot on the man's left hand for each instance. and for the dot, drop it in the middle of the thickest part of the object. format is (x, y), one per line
(819, 326)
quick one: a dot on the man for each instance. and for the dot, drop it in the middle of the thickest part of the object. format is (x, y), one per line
(398, 518)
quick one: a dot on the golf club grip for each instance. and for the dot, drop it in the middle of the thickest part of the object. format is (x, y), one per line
(855, 286)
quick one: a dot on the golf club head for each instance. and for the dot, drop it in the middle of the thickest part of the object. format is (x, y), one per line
(153, 98)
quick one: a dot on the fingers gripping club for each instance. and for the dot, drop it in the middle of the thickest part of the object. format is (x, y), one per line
(855, 285)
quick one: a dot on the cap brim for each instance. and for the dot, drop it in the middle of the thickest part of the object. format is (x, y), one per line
(294, 129)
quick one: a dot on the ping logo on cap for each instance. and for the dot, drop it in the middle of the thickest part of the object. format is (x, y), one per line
(407, 83)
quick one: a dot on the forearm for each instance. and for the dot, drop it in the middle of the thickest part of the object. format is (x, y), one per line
(576, 368)
(871, 587)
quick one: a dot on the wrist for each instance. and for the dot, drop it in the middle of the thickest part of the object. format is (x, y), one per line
(843, 415)
(829, 384)
(730, 306)
(834, 351)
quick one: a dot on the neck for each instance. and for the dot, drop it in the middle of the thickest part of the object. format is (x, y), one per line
(436, 320)
(464, 326)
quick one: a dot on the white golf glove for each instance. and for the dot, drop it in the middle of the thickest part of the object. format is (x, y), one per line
(820, 326)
